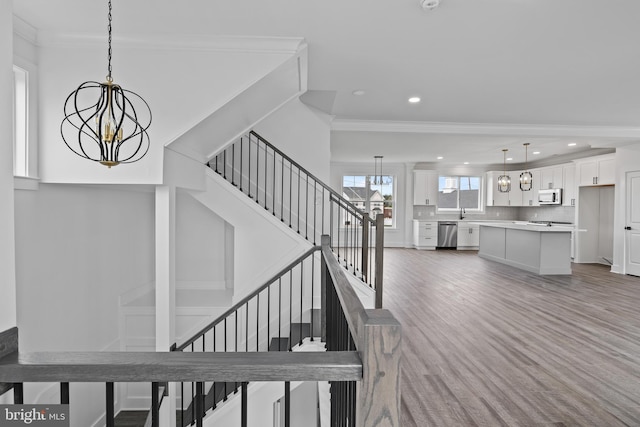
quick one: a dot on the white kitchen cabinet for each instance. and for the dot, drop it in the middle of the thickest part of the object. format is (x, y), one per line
(425, 187)
(551, 177)
(425, 234)
(569, 188)
(495, 197)
(530, 198)
(597, 171)
(468, 236)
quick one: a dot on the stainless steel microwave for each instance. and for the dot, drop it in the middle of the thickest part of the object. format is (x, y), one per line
(550, 197)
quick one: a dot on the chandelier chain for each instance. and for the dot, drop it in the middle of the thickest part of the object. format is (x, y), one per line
(109, 78)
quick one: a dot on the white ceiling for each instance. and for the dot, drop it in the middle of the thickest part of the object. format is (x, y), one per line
(492, 74)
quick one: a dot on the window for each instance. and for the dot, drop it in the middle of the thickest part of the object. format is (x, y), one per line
(374, 195)
(20, 121)
(458, 192)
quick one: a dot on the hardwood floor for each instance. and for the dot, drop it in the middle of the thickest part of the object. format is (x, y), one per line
(490, 345)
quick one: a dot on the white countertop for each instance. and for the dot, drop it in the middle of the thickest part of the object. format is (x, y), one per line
(528, 226)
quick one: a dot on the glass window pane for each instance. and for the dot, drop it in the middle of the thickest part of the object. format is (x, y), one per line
(448, 192)
(20, 81)
(470, 192)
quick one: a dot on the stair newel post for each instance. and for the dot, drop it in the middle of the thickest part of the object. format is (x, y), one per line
(365, 245)
(325, 240)
(378, 394)
(379, 258)
(244, 409)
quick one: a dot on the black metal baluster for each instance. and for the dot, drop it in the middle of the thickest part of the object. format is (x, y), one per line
(315, 211)
(268, 316)
(258, 322)
(199, 403)
(287, 404)
(18, 393)
(64, 393)
(258, 171)
(224, 163)
(273, 190)
(313, 271)
(279, 312)
(233, 164)
(241, 161)
(290, 191)
(301, 283)
(246, 327)
(216, 159)
(306, 209)
(182, 399)
(298, 208)
(110, 410)
(249, 168)
(290, 308)
(282, 190)
(155, 406)
(266, 167)
(243, 420)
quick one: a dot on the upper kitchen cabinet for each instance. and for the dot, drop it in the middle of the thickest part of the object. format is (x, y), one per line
(598, 170)
(498, 198)
(569, 188)
(425, 187)
(551, 177)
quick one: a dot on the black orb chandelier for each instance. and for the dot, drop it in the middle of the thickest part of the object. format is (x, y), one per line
(110, 130)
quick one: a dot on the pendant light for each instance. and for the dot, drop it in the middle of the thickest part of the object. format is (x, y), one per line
(101, 123)
(377, 178)
(504, 181)
(526, 178)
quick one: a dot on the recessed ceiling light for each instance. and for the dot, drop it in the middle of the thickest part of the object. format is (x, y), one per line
(466, 163)
(509, 158)
(572, 144)
(414, 99)
(358, 92)
(439, 157)
(536, 152)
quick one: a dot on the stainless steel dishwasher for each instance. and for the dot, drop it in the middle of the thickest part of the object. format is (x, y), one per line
(447, 234)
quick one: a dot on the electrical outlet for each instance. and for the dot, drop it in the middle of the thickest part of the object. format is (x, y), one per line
(419, 213)
(497, 213)
(431, 214)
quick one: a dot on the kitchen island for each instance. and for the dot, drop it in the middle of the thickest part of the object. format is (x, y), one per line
(536, 248)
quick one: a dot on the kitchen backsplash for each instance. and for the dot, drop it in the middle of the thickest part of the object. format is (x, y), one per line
(538, 213)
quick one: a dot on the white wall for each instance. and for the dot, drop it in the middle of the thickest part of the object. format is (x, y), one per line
(7, 241)
(627, 160)
(302, 133)
(77, 249)
(262, 246)
(200, 245)
(182, 86)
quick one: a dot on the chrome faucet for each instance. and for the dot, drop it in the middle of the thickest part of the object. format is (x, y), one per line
(462, 211)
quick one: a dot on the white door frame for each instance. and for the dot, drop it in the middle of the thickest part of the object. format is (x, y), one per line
(632, 224)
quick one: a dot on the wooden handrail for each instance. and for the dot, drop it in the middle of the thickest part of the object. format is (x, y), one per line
(179, 367)
(352, 306)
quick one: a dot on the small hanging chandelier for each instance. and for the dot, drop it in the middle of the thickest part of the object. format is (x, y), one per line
(109, 130)
(377, 178)
(526, 178)
(504, 181)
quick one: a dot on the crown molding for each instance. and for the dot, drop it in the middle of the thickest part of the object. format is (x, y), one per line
(23, 29)
(245, 44)
(495, 129)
